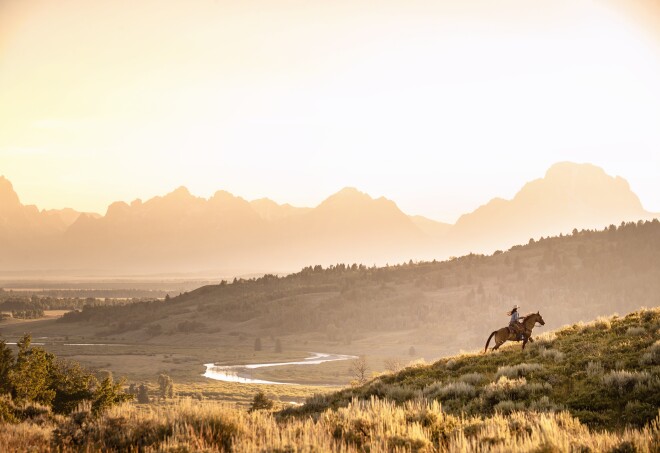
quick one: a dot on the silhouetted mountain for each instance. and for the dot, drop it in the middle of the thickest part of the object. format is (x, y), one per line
(179, 232)
(270, 211)
(569, 196)
(26, 234)
(435, 230)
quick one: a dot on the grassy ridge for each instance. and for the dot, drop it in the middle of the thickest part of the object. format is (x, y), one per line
(606, 373)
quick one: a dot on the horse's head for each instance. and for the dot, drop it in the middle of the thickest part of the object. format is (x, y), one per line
(539, 319)
(533, 318)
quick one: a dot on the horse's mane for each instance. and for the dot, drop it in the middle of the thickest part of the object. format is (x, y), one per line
(528, 314)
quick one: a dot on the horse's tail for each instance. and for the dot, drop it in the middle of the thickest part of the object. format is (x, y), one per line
(491, 336)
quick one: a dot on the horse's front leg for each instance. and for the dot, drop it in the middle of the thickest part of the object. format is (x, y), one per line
(524, 342)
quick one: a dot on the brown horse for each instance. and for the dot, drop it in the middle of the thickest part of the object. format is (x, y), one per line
(504, 334)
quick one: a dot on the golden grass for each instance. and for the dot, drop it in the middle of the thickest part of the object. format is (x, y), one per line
(373, 425)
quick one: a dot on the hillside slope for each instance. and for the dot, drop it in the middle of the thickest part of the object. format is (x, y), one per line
(606, 373)
(438, 307)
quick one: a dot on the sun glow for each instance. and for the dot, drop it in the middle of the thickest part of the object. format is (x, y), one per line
(411, 100)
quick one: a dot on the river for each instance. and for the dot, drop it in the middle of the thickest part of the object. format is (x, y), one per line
(243, 375)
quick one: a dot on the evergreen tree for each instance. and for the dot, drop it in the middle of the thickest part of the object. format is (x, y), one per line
(71, 384)
(30, 376)
(143, 394)
(108, 394)
(6, 363)
(261, 401)
(165, 386)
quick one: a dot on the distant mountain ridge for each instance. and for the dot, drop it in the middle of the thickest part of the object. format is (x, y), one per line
(570, 196)
(182, 232)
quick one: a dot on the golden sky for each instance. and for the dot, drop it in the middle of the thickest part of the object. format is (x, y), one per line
(438, 105)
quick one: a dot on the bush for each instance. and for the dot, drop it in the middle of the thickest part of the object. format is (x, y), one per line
(472, 378)
(504, 389)
(595, 369)
(508, 406)
(261, 402)
(450, 390)
(400, 393)
(554, 354)
(544, 405)
(638, 413)
(7, 410)
(652, 355)
(635, 331)
(624, 381)
(603, 323)
(516, 371)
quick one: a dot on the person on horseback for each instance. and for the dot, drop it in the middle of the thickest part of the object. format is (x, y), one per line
(514, 322)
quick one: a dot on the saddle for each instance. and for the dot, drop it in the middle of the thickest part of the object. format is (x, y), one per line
(517, 331)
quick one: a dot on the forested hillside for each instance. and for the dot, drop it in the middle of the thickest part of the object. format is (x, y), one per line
(451, 304)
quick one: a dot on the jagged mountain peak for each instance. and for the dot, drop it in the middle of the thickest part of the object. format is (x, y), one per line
(8, 197)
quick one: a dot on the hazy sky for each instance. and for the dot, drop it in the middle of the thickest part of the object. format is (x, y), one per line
(438, 105)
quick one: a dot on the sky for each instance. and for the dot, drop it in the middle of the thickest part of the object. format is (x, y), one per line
(437, 105)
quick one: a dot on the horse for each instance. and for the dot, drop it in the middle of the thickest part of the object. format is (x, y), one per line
(504, 334)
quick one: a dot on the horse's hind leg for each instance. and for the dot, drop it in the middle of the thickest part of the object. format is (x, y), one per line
(497, 346)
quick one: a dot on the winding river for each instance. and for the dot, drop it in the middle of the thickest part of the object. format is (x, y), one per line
(243, 375)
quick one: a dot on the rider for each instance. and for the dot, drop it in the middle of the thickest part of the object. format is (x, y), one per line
(514, 323)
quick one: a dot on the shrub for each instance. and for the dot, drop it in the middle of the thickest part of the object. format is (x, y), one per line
(554, 354)
(595, 369)
(544, 339)
(652, 355)
(472, 378)
(544, 405)
(516, 371)
(400, 393)
(508, 406)
(638, 413)
(450, 390)
(603, 323)
(624, 381)
(417, 363)
(635, 331)
(261, 401)
(7, 410)
(504, 389)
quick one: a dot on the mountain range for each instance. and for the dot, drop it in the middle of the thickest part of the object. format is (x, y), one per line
(179, 232)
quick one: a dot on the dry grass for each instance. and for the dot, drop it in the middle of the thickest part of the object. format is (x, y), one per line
(374, 425)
